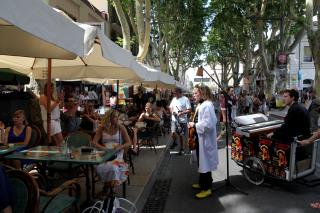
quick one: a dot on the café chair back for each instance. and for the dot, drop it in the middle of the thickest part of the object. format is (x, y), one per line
(74, 141)
(32, 199)
(35, 139)
(26, 192)
(78, 139)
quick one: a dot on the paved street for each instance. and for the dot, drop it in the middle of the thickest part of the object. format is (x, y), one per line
(173, 193)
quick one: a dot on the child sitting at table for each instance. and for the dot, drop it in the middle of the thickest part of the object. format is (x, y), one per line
(113, 136)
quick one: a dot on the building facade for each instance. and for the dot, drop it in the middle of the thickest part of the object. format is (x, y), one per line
(83, 11)
(301, 66)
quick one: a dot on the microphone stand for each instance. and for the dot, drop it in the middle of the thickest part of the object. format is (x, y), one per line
(226, 98)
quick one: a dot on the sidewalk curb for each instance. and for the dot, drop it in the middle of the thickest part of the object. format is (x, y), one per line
(143, 195)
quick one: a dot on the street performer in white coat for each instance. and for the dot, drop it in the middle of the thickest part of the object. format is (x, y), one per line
(207, 150)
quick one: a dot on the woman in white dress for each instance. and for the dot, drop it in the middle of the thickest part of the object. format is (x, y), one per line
(112, 136)
(55, 126)
(207, 149)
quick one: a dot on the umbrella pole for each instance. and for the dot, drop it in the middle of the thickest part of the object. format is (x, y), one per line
(103, 95)
(49, 89)
(118, 94)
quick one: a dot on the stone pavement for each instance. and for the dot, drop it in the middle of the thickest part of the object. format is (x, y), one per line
(145, 164)
(171, 191)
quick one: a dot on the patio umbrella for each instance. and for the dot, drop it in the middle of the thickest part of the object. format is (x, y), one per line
(11, 77)
(30, 28)
(155, 78)
(105, 61)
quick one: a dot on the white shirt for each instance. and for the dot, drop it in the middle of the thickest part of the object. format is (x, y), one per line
(180, 104)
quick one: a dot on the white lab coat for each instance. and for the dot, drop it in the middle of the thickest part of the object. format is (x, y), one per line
(206, 130)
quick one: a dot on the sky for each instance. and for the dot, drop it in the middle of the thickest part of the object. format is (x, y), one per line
(100, 4)
(191, 72)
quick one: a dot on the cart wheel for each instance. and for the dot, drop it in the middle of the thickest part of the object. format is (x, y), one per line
(254, 171)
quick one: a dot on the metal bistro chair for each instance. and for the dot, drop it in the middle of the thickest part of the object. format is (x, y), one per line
(148, 134)
(30, 198)
(128, 152)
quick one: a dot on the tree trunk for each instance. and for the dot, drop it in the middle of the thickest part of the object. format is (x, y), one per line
(315, 45)
(124, 24)
(314, 41)
(166, 58)
(144, 28)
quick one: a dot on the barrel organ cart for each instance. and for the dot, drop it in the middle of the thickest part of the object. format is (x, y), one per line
(260, 156)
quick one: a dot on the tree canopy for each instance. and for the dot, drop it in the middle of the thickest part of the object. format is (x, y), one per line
(178, 34)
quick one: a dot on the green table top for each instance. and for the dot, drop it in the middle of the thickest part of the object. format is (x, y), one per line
(57, 154)
(4, 150)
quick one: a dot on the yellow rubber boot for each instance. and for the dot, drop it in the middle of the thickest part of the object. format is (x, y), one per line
(195, 186)
(204, 194)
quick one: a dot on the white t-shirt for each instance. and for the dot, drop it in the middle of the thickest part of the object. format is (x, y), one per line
(180, 104)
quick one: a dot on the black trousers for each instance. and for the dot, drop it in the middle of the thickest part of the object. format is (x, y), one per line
(205, 179)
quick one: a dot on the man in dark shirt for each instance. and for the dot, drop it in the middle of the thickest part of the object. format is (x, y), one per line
(296, 122)
(140, 99)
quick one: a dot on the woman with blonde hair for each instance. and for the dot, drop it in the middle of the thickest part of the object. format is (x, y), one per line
(207, 148)
(113, 136)
(18, 133)
(55, 126)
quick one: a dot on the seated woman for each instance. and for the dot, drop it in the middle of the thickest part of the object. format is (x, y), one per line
(129, 117)
(113, 136)
(148, 117)
(19, 133)
(90, 118)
